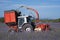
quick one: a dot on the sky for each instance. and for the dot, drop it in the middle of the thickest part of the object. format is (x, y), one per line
(46, 8)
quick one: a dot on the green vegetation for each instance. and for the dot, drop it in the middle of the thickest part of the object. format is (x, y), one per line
(1, 19)
(51, 20)
(43, 20)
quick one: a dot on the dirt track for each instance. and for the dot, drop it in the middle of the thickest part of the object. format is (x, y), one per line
(54, 34)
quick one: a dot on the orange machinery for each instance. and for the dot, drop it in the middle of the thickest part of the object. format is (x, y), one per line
(10, 19)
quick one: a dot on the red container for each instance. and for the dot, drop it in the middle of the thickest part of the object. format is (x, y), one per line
(9, 16)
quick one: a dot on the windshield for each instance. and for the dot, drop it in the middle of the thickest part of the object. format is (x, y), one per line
(30, 19)
(20, 21)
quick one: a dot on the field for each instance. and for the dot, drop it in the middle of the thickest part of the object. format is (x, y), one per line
(53, 34)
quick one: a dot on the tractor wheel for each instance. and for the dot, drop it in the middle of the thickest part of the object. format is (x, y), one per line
(27, 28)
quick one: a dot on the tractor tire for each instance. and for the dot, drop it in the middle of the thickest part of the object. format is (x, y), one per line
(27, 27)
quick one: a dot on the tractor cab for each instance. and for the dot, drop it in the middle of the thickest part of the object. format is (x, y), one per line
(23, 20)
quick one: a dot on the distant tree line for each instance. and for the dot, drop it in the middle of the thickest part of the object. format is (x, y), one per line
(51, 20)
(1, 19)
(43, 20)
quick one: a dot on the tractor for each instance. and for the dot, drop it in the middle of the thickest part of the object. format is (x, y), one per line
(18, 22)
